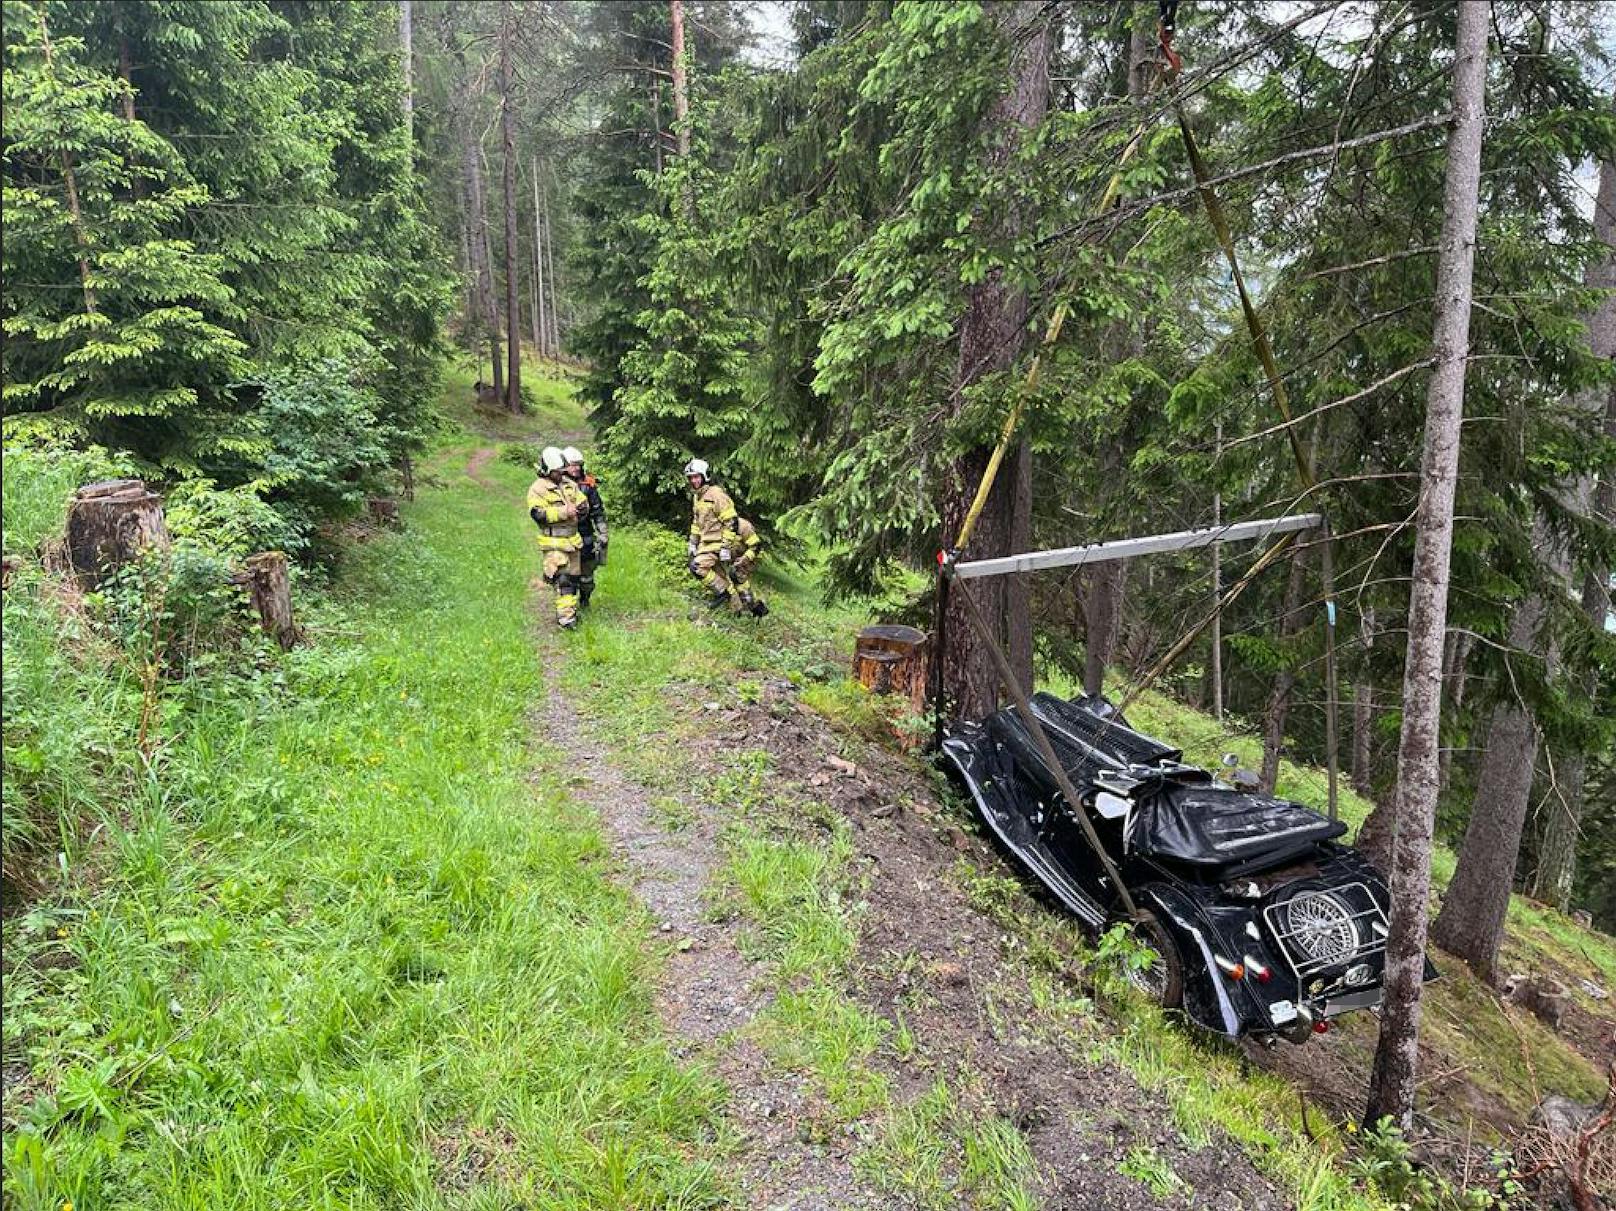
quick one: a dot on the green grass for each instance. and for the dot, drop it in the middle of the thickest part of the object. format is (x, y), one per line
(350, 944)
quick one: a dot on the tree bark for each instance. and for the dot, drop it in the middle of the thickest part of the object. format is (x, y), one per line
(1107, 582)
(1363, 721)
(1471, 923)
(540, 327)
(1216, 664)
(1455, 684)
(555, 290)
(992, 336)
(1557, 851)
(1279, 699)
(513, 277)
(1396, 1066)
(477, 221)
(406, 44)
(681, 93)
(109, 524)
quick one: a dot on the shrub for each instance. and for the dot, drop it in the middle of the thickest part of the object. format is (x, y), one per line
(330, 450)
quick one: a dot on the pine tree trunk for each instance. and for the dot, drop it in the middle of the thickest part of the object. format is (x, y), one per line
(1557, 850)
(406, 44)
(507, 125)
(1279, 699)
(1107, 582)
(992, 335)
(555, 290)
(1471, 923)
(477, 224)
(539, 343)
(1363, 720)
(1396, 1066)
(681, 93)
(1215, 667)
(1455, 684)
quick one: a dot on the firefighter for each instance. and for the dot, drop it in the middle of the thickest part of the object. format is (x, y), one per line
(715, 542)
(745, 562)
(555, 504)
(591, 525)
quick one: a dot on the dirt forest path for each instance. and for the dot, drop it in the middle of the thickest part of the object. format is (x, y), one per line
(479, 460)
(707, 993)
(932, 966)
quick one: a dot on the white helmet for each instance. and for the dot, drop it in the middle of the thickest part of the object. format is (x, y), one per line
(573, 455)
(551, 460)
(696, 466)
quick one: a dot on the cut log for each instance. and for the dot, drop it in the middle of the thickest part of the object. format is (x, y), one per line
(266, 579)
(109, 524)
(893, 660)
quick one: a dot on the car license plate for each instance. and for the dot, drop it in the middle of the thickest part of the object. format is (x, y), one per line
(1282, 1012)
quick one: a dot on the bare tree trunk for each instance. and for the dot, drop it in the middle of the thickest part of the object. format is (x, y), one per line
(1471, 923)
(656, 122)
(507, 126)
(1557, 851)
(992, 335)
(406, 42)
(477, 223)
(1363, 719)
(1107, 582)
(1279, 698)
(539, 325)
(555, 290)
(1217, 597)
(1455, 685)
(1396, 1067)
(681, 93)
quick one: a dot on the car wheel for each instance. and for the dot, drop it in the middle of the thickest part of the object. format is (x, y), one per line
(1162, 979)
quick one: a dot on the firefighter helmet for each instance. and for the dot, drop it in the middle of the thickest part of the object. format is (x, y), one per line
(552, 460)
(573, 455)
(696, 466)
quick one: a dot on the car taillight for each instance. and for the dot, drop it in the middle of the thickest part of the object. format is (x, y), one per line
(1257, 969)
(1235, 971)
(1322, 1026)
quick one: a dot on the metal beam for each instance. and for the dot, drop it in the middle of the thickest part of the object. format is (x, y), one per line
(1127, 548)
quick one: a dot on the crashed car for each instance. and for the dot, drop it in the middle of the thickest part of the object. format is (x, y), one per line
(1260, 921)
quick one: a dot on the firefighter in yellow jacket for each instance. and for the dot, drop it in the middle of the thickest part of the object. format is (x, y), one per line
(555, 504)
(716, 544)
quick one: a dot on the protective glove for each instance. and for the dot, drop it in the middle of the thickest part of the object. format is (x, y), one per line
(538, 518)
(600, 555)
(694, 570)
(690, 548)
(723, 554)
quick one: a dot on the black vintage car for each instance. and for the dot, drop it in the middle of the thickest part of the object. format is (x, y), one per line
(1262, 923)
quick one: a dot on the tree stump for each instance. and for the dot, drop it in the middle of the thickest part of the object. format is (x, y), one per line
(893, 660)
(266, 578)
(109, 524)
(384, 512)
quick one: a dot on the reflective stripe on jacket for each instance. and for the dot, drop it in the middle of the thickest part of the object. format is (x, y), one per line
(557, 531)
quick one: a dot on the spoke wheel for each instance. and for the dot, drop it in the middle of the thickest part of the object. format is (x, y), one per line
(1162, 979)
